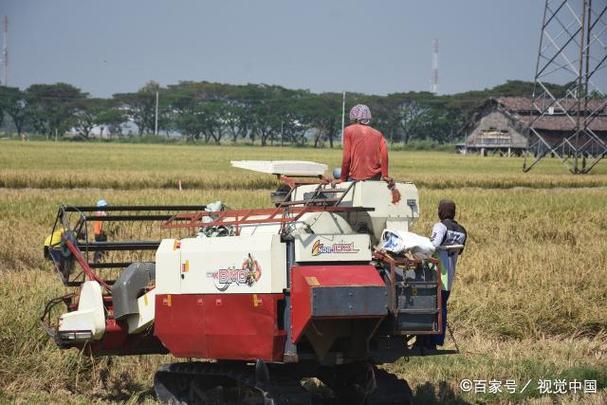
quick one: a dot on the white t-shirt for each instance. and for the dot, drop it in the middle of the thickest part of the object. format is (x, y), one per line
(448, 260)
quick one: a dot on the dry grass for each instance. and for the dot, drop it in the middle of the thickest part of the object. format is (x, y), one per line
(529, 301)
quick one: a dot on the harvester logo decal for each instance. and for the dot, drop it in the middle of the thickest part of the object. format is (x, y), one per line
(319, 248)
(248, 274)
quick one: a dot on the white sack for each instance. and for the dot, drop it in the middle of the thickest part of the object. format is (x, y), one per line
(399, 242)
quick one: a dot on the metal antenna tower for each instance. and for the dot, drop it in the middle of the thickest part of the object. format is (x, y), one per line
(434, 88)
(572, 52)
(5, 53)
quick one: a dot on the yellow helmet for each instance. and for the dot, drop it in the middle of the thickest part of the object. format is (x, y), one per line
(54, 239)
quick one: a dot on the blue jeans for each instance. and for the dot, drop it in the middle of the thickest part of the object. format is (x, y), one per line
(439, 340)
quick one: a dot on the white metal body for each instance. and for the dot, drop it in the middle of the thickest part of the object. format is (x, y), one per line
(231, 264)
(332, 248)
(89, 319)
(255, 261)
(377, 196)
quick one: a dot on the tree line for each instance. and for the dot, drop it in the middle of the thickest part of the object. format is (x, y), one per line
(255, 113)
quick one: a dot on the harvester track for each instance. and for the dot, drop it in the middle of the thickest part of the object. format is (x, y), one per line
(237, 383)
(217, 383)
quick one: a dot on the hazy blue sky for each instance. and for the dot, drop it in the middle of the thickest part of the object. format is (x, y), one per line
(379, 47)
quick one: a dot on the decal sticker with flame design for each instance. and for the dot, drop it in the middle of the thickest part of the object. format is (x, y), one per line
(248, 274)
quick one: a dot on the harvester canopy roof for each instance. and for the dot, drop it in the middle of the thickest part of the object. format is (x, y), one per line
(292, 168)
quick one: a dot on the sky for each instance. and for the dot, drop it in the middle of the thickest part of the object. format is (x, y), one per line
(374, 47)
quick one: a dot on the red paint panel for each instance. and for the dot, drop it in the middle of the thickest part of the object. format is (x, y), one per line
(220, 326)
(348, 275)
(117, 341)
(305, 278)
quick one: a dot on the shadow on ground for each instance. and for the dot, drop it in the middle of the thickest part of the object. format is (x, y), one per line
(123, 389)
(441, 393)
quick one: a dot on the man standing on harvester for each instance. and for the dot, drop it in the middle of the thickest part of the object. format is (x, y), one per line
(365, 154)
(448, 237)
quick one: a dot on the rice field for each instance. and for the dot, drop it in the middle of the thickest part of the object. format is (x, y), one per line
(528, 302)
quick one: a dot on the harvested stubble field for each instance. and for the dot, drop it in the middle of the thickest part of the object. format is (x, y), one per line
(528, 303)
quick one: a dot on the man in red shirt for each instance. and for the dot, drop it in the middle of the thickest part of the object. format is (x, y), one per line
(365, 152)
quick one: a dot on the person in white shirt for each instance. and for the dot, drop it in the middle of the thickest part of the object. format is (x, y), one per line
(449, 238)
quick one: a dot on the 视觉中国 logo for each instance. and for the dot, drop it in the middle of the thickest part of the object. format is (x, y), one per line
(248, 274)
(319, 248)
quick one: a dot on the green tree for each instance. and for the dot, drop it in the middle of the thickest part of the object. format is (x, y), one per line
(409, 115)
(14, 103)
(322, 113)
(200, 110)
(184, 109)
(237, 119)
(210, 115)
(111, 119)
(89, 113)
(53, 106)
(141, 106)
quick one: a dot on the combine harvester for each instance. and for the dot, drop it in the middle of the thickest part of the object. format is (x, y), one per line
(265, 298)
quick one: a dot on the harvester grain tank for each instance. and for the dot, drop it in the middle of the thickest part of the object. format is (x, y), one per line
(263, 298)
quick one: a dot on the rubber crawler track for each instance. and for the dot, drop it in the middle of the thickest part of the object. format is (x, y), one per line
(195, 383)
(183, 382)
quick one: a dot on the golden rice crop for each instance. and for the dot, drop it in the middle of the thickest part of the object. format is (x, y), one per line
(529, 299)
(120, 166)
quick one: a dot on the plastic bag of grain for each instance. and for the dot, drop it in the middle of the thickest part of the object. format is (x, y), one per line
(400, 242)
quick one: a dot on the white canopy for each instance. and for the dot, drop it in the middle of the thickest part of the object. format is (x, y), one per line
(284, 167)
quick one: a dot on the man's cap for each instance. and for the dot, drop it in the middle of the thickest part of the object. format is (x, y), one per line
(361, 113)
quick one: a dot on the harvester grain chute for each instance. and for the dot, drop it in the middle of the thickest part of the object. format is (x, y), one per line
(265, 298)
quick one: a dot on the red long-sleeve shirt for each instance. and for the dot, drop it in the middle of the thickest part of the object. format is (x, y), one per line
(365, 153)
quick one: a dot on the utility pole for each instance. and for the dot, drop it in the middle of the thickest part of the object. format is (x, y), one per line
(343, 115)
(434, 89)
(5, 52)
(156, 119)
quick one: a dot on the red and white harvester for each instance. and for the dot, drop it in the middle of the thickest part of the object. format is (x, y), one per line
(263, 298)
